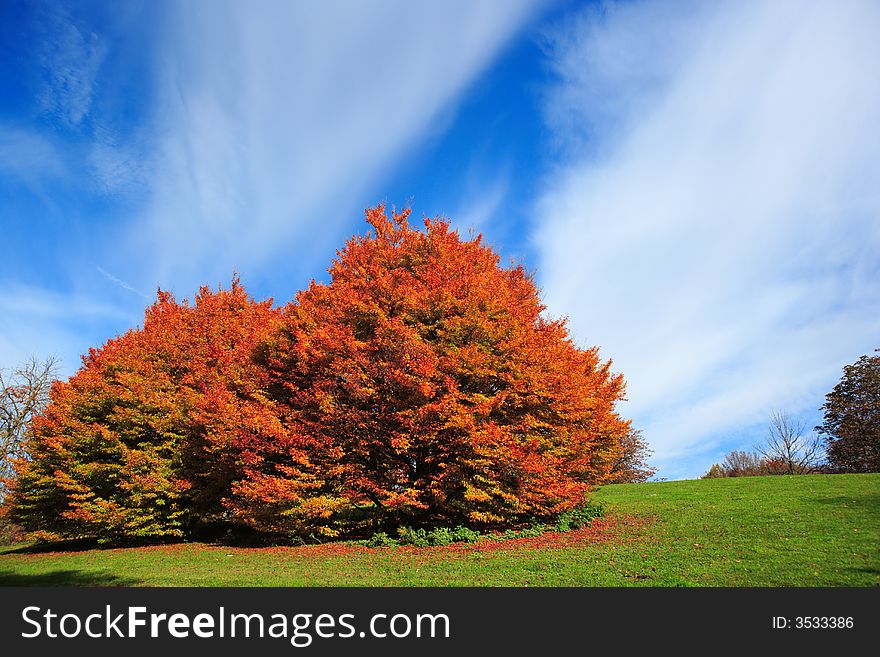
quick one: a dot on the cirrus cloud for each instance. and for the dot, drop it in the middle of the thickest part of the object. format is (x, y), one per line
(715, 225)
(271, 112)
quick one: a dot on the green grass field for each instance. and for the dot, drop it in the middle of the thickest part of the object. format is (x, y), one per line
(818, 530)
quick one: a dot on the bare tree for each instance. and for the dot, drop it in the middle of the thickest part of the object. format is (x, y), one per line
(788, 448)
(24, 393)
(742, 464)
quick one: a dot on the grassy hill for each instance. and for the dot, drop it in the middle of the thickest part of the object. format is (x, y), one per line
(818, 530)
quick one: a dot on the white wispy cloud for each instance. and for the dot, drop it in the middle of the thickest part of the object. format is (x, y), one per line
(715, 224)
(77, 144)
(37, 302)
(71, 59)
(482, 206)
(35, 321)
(116, 281)
(276, 116)
(28, 157)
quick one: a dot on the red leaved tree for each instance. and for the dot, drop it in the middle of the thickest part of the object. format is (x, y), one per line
(143, 440)
(423, 384)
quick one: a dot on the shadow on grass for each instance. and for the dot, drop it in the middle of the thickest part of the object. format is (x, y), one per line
(210, 535)
(65, 578)
(54, 546)
(83, 545)
(870, 502)
(868, 570)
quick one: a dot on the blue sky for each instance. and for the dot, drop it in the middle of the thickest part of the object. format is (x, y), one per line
(697, 185)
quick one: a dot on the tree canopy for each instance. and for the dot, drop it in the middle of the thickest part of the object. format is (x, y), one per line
(142, 439)
(422, 384)
(851, 423)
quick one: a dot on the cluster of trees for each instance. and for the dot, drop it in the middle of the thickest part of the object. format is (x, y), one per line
(848, 440)
(421, 385)
(787, 449)
(740, 463)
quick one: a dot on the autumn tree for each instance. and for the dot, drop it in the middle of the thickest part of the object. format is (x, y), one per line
(741, 464)
(143, 439)
(851, 423)
(424, 384)
(631, 466)
(24, 393)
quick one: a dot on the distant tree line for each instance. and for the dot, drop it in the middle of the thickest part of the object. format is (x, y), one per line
(848, 440)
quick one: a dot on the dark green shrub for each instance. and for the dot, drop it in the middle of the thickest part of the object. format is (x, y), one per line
(578, 517)
(421, 537)
(414, 537)
(381, 539)
(440, 536)
(462, 534)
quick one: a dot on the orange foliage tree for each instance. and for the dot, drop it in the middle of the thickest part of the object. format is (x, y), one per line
(142, 441)
(424, 385)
